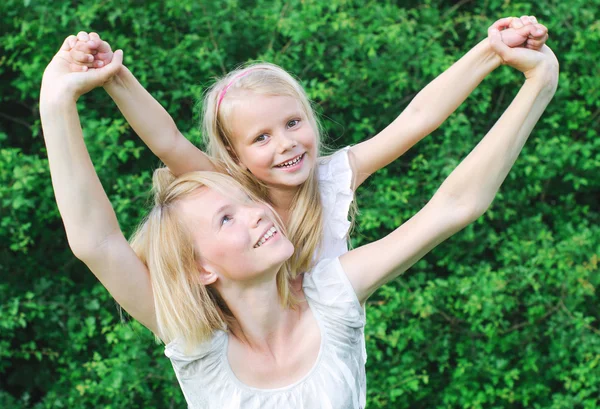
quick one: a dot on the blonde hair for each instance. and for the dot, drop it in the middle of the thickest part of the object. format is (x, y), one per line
(185, 308)
(305, 222)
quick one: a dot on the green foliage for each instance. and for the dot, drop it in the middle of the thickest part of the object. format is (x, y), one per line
(503, 315)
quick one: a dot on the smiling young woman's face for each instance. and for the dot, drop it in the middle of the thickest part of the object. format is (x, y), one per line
(273, 138)
(236, 238)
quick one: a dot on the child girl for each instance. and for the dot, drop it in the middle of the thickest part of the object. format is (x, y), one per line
(259, 126)
(206, 271)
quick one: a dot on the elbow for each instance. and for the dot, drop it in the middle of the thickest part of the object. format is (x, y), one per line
(82, 251)
(85, 248)
(468, 213)
(464, 210)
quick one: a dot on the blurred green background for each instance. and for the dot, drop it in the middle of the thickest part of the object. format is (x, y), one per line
(503, 315)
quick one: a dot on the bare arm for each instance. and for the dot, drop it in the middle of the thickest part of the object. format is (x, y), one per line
(90, 222)
(465, 194)
(433, 105)
(155, 126)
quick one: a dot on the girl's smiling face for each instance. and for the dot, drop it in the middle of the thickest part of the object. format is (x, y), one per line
(273, 138)
(237, 239)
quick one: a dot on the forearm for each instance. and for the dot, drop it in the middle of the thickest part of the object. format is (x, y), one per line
(426, 112)
(475, 182)
(442, 96)
(146, 116)
(155, 126)
(85, 209)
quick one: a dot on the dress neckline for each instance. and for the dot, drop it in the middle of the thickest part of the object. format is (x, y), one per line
(303, 379)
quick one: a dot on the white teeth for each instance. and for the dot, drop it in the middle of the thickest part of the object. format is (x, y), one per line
(266, 236)
(291, 162)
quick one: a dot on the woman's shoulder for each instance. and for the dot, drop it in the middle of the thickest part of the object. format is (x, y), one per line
(179, 350)
(328, 287)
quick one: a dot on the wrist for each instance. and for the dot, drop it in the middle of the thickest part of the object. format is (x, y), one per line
(544, 75)
(118, 81)
(57, 94)
(488, 56)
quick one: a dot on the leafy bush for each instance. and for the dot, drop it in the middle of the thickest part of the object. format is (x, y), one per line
(503, 315)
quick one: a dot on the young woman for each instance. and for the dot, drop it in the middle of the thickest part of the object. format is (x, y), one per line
(206, 271)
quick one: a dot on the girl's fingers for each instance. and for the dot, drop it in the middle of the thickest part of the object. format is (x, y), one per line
(536, 44)
(533, 19)
(86, 46)
(78, 68)
(104, 56)
(526, 20)
(516, 23)
(69, 43)
(503, 23)
(95, 37)
(80, 57)
(104, 47)
(83, 36)
(539, 32)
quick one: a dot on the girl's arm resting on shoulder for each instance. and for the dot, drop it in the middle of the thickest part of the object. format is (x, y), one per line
(90, 222)
(426, 112)
(155, 126)
(462, 198)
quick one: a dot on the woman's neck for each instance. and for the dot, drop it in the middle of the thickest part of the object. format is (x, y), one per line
(262, 323)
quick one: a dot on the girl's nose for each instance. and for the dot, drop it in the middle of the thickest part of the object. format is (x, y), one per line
(286, 143)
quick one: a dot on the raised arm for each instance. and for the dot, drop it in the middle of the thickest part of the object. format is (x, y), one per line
(90, 222)
(470, 188)
(147, 117)
(440, 98)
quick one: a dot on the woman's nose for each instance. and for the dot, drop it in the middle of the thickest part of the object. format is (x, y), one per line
(257, 214)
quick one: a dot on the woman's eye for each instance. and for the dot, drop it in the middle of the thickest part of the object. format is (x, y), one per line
(225, 219)
(292, 123)
(261, 138)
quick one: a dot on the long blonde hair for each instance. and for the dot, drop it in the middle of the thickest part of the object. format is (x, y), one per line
(305, 222)
(185, 308)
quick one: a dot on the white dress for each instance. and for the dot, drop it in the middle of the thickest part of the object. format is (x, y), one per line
(335, 186)
(337, 379)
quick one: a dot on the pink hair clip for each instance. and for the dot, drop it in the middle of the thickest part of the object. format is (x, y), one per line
(234, 79)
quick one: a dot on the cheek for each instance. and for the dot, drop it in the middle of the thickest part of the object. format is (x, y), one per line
(258, 161)
(309, 139)
(221, 251)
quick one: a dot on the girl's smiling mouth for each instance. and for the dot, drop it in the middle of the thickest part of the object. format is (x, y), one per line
(291, 164)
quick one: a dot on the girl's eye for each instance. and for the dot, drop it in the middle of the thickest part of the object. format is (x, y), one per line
(292, 123)
(261, 138)
(226, 219)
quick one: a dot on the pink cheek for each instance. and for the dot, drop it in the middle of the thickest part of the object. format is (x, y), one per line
(260, 166)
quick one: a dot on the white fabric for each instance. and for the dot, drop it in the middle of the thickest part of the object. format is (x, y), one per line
(336, 381)
(335, 186)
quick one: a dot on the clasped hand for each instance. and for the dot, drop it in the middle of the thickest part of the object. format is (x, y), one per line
(63, 77)
(534, 58)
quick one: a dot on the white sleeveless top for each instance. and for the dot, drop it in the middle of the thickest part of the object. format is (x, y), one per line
(335, 186)
(337, 379)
